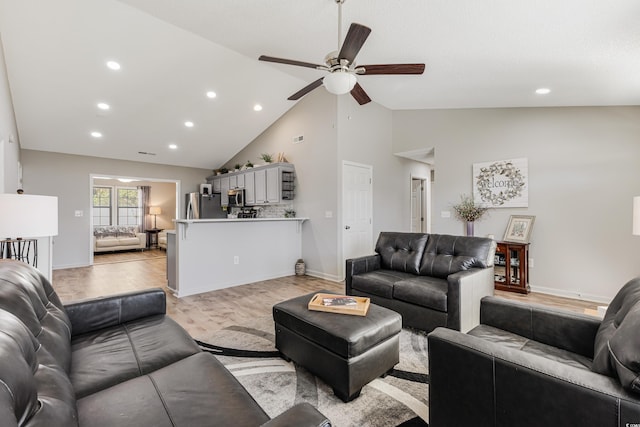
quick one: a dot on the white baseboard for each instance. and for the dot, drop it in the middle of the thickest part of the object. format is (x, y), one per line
(571, 294)
(322, 275)
(63, 267)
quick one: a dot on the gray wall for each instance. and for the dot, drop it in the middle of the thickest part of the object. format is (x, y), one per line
(9, 151)
(67, 176)
(316, 182)
(584, 169)
(336, 129)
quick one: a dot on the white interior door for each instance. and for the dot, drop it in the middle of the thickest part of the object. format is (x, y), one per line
(417, 204)
(357, 210)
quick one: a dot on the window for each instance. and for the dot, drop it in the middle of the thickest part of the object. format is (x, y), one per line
(102, 206)
(129, 209)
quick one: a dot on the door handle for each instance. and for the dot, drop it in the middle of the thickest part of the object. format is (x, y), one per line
(347, 227)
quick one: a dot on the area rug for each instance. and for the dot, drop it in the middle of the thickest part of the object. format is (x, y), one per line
(398, 399)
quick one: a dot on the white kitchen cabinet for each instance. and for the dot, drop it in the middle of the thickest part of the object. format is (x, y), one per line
(233, 181)
(216, 185)
(240, 182)
(273, 185)
(249, 188)
(260, 176)
(224, 191)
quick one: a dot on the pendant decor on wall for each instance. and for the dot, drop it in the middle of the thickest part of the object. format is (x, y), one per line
(501, 184)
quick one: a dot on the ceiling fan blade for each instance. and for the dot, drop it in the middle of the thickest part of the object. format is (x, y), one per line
(392, 69)
(360, 95)
(305, 90)
(288, 61)
(353, 42)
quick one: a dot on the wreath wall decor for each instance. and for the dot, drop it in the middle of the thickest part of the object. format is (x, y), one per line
(501, 184)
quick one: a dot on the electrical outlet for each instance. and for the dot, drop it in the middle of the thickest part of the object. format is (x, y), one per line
(328, 214)
(445, 214)
(79, 213)
(530, 262)
(236, 260)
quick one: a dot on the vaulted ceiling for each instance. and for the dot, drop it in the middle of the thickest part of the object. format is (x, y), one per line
(478, 55)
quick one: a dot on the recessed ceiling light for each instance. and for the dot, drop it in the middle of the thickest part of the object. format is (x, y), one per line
(173, 146)
(257, 107)
(543, 91)
(188, 124)
(211, 94)
(113, 65)
(96, 134)
(103, 106)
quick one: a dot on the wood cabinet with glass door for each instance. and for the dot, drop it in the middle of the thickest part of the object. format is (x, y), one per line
(511, 267)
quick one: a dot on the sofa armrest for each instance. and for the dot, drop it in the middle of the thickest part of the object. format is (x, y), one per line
(97, 313)
(301, 415)
(480, 383)
(360, 265)
(575, 332)
(464, 291)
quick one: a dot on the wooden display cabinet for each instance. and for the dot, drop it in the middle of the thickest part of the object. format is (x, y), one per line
(511, 267)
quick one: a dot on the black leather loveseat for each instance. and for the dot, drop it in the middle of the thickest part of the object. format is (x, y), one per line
(430, 279)
(114, 361)
(527, 365)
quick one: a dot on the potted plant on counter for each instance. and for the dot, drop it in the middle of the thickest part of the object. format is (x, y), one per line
(224, 170)
(248, 165)
(237, 167)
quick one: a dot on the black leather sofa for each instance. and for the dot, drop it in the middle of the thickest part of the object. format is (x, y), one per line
(114, 361)
(432, 280)
(527, 365)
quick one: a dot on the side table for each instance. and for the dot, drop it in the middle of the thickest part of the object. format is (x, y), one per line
(152, 237)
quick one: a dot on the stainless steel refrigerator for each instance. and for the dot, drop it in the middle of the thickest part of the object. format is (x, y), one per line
(201, 206)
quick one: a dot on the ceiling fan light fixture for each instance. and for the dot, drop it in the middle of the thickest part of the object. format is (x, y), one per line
(339, 82)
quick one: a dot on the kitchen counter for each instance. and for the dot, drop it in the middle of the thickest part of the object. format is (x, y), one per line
(213, 254)
(198, 221)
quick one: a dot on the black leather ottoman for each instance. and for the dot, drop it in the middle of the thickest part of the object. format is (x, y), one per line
(346, 351)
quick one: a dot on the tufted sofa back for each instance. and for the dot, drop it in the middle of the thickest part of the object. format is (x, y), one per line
(35, 351)
(435, 255)
(401, 251)
(445, 255)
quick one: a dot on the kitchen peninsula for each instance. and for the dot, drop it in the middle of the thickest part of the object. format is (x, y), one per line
(208, 254)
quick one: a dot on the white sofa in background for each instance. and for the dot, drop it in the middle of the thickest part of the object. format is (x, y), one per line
(162, 239)
(118, 238)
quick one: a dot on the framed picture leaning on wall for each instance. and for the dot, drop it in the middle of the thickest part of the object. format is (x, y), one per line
(519, 228)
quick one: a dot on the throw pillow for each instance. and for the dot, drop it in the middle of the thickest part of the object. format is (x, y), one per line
(610, 339)
(624, 348)
(401, 251)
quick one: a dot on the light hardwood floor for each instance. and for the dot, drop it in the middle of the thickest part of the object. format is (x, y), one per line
(211, 311)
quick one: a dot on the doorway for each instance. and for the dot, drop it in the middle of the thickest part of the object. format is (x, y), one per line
(164, 194)
(418, 205)
(357, 210)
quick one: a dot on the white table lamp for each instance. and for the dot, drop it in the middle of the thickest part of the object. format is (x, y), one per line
(155, 211)
(24, 217)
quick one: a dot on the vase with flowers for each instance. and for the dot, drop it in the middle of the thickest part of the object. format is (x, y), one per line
(467, 210)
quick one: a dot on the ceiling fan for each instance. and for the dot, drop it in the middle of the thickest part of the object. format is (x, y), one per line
(341, 66)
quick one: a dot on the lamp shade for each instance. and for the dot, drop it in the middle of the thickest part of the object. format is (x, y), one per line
(26, 215)
(339, 82)
(155, 210)
(636, 216)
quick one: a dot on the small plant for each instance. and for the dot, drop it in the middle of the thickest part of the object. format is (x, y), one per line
(289, 213)
(248, 164)
(224, 170)
(237, 166)
(467, 210)
(268, 158)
